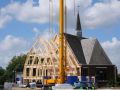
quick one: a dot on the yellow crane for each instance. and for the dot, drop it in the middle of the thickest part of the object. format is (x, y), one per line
(61, 73)
(62, 48)
(61, 42)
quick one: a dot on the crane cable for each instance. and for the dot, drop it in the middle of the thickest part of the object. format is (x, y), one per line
(65, 57)
(50, 17)
(74, 7)
(65, 17)
(78, 6)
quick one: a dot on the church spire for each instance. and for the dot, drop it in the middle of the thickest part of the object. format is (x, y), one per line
(78, 26)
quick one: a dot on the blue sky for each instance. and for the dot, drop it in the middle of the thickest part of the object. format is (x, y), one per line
(21, 24)
(19, 28)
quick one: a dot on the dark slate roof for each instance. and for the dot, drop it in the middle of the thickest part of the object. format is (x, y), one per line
(98, 55)
(87, 51)
(76, 47)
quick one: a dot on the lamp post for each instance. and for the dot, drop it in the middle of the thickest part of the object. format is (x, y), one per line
(14, 75)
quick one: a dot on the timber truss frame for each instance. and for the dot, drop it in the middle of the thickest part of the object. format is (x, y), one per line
(42, 60)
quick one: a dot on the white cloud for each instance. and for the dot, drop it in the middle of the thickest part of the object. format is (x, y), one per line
(10, 41)
(4, 20)
(11, 46)
(114, 43)
(112, 48)
(102, 14)
(27, 13)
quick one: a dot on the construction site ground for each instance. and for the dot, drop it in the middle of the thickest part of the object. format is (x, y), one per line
(16, 88)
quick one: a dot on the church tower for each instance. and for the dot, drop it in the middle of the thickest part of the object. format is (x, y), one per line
(78, 26)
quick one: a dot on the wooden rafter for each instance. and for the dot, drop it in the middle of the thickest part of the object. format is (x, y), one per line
(50, 51)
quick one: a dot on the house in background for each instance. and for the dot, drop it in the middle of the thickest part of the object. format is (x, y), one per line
(84, 58)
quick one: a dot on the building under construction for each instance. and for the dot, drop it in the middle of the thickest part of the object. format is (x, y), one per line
(84, 57)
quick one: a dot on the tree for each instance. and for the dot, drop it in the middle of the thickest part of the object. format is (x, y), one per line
(15, 65)
(2, 71)
(118, 79)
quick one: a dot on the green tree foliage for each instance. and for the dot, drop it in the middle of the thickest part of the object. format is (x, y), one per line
(118, 79)
(15, 65)
(2, 71)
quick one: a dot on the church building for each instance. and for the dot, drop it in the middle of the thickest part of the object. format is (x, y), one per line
(85, 57)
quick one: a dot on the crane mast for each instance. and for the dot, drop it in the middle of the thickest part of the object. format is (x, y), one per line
(61, 43)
